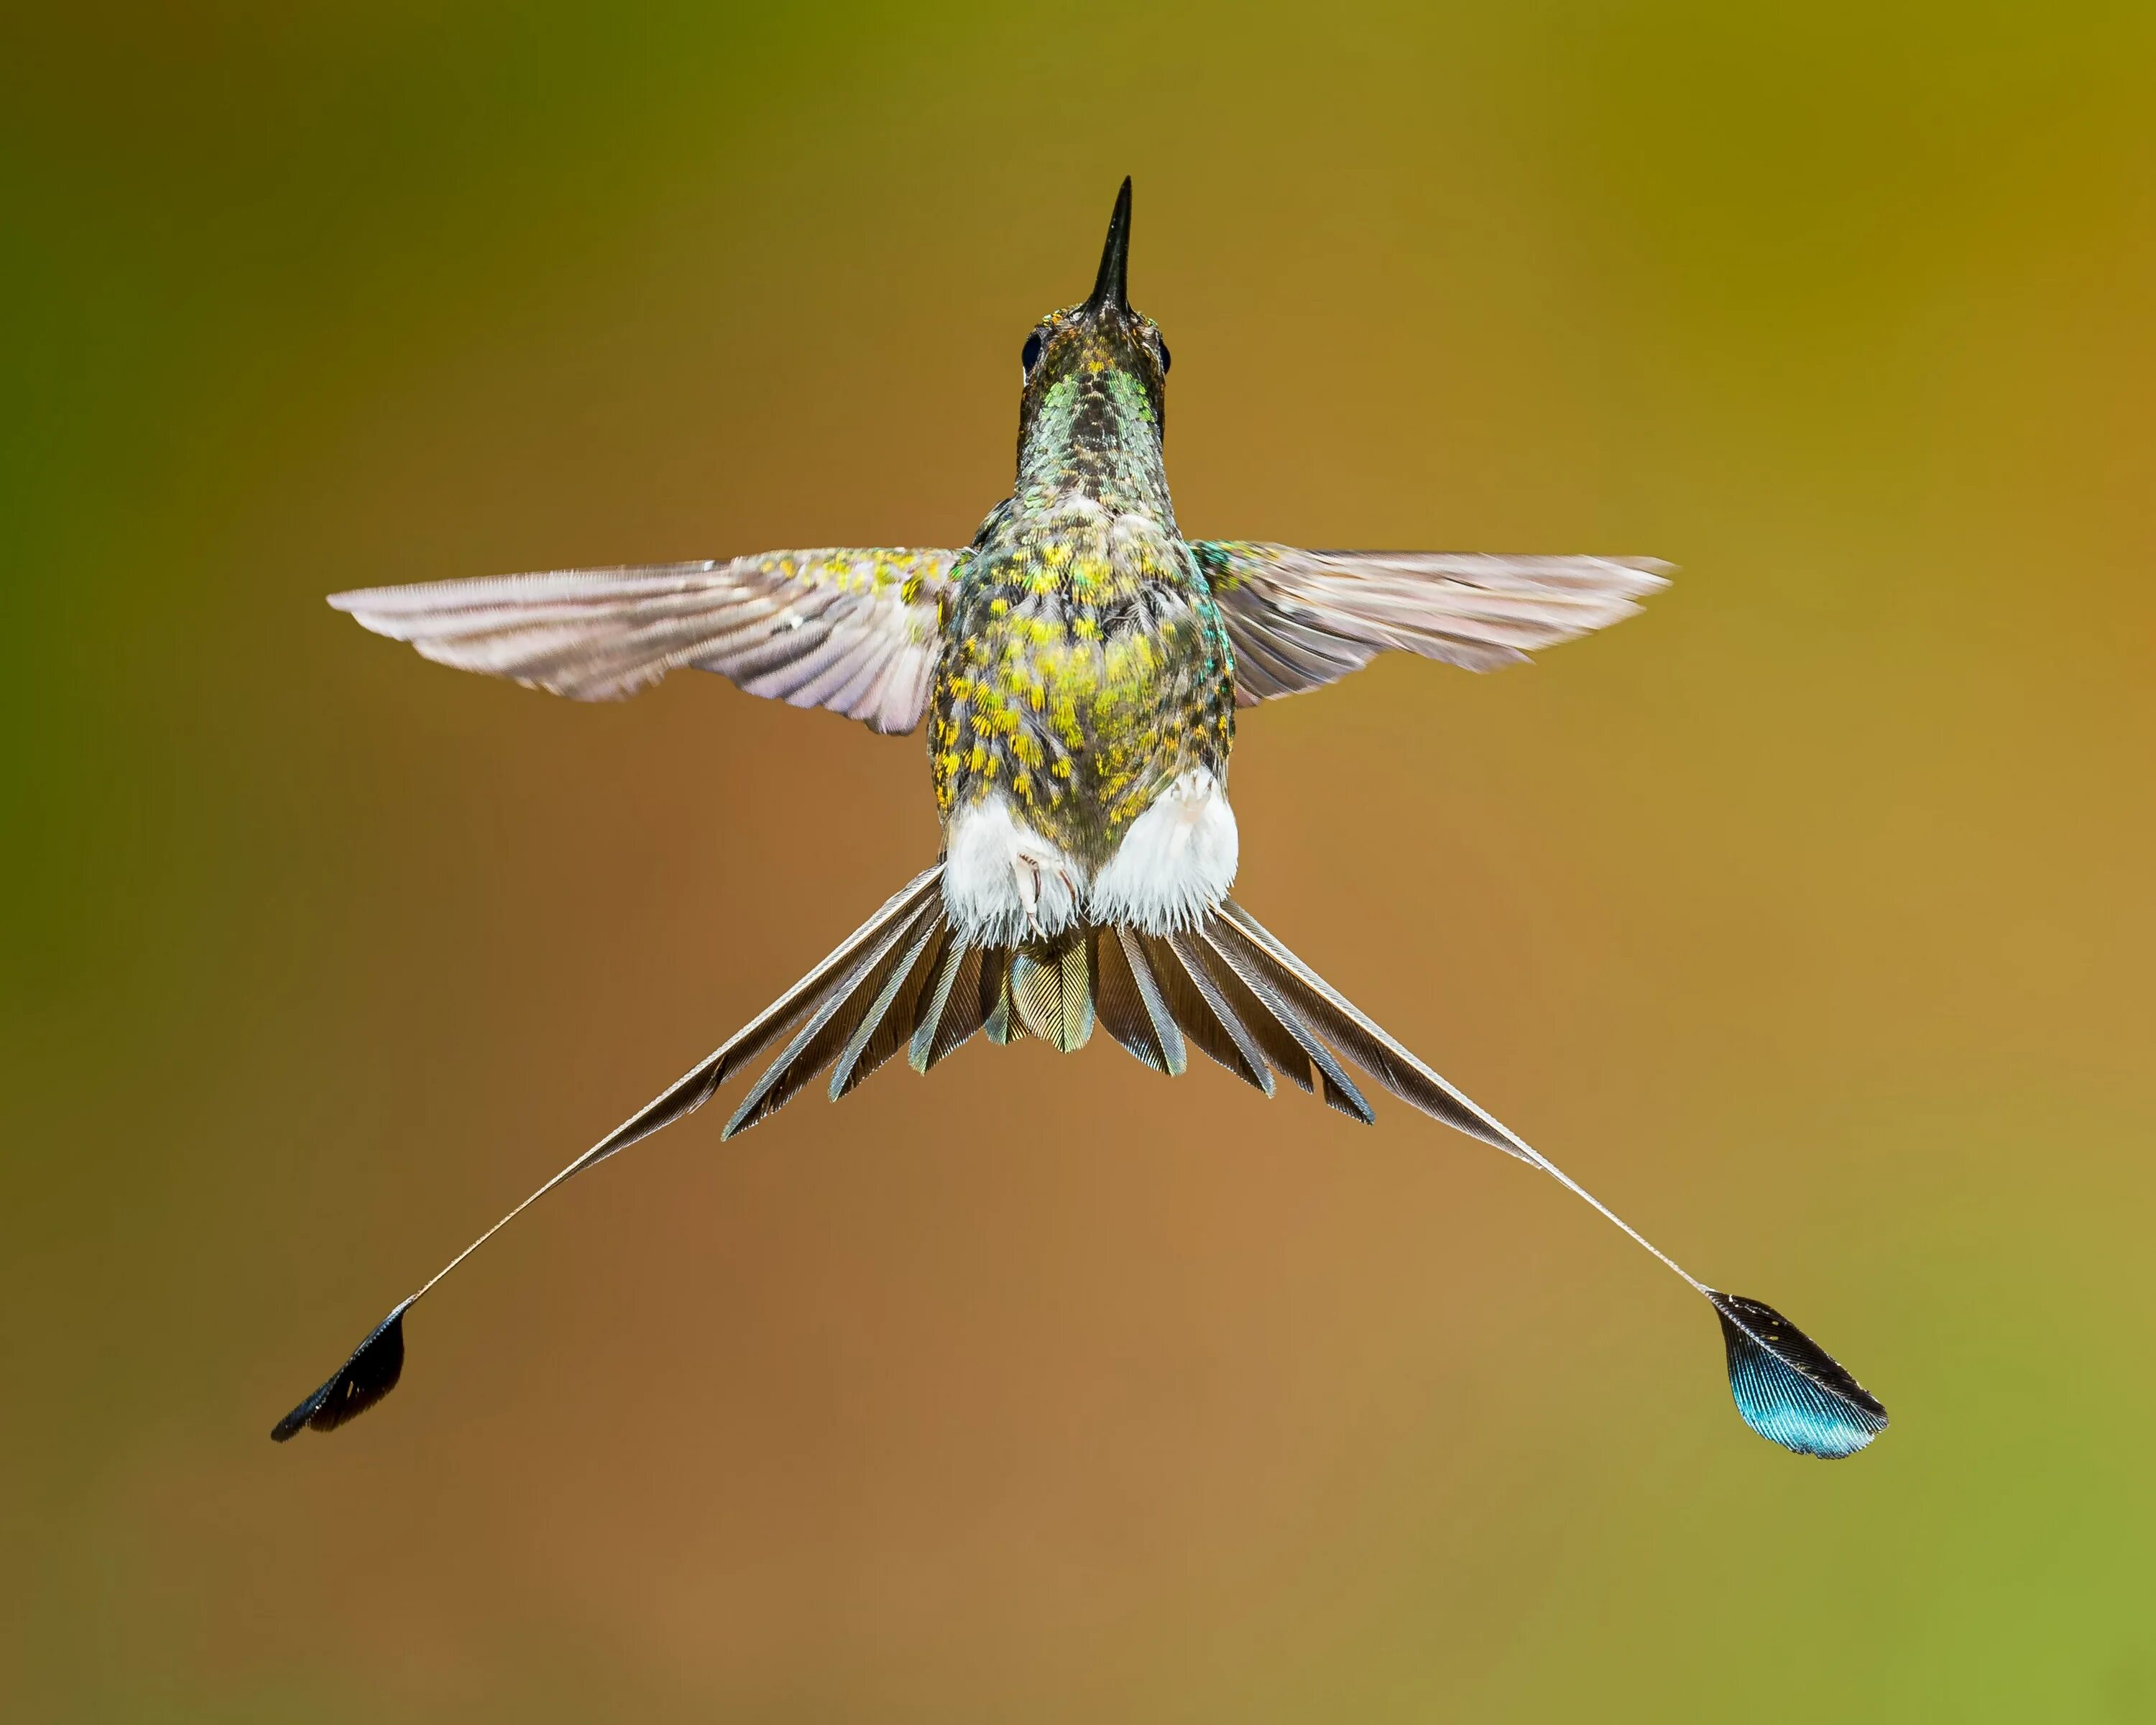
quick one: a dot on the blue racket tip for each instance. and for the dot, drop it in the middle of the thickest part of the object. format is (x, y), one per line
(1789, 1390)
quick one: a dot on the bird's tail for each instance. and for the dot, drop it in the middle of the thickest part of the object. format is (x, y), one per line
(1226, 987)
(907, 979)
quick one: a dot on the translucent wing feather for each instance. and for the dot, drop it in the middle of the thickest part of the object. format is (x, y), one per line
(852, 630)
(1299, 619)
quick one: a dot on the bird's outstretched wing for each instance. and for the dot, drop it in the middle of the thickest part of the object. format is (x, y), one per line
(853, 630)
(1299, 619)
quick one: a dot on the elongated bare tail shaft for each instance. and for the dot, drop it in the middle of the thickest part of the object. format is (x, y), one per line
(906, 979)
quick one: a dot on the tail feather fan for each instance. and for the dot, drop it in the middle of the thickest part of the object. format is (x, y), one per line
(908, 978)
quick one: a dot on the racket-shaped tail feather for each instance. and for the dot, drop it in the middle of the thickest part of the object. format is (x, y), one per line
(908, 979)
(1789, 1390)
(356, 1385)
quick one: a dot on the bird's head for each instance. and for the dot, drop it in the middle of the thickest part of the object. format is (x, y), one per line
(1096, 374)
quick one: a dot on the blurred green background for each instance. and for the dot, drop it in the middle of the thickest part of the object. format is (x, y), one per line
(1806, 918)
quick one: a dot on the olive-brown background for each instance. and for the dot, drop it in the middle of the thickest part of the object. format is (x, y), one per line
(1807, 918)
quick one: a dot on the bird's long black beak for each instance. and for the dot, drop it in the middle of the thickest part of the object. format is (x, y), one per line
(1111, 288)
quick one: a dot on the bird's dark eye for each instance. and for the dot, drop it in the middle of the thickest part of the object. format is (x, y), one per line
(1161, 343)
(1029, 356)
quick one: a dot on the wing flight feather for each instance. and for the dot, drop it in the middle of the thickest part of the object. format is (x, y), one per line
(1299, 619)
(852, 630)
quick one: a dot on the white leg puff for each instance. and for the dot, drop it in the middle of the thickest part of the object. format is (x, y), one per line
(1175, 864)
(1002, 882)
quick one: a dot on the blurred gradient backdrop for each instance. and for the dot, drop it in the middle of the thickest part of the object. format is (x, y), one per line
(1807, 918)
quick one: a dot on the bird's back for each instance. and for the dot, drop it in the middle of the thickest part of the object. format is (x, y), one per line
(1083, 668)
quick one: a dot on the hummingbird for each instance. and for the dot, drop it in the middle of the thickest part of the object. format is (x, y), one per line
(1078, 667)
